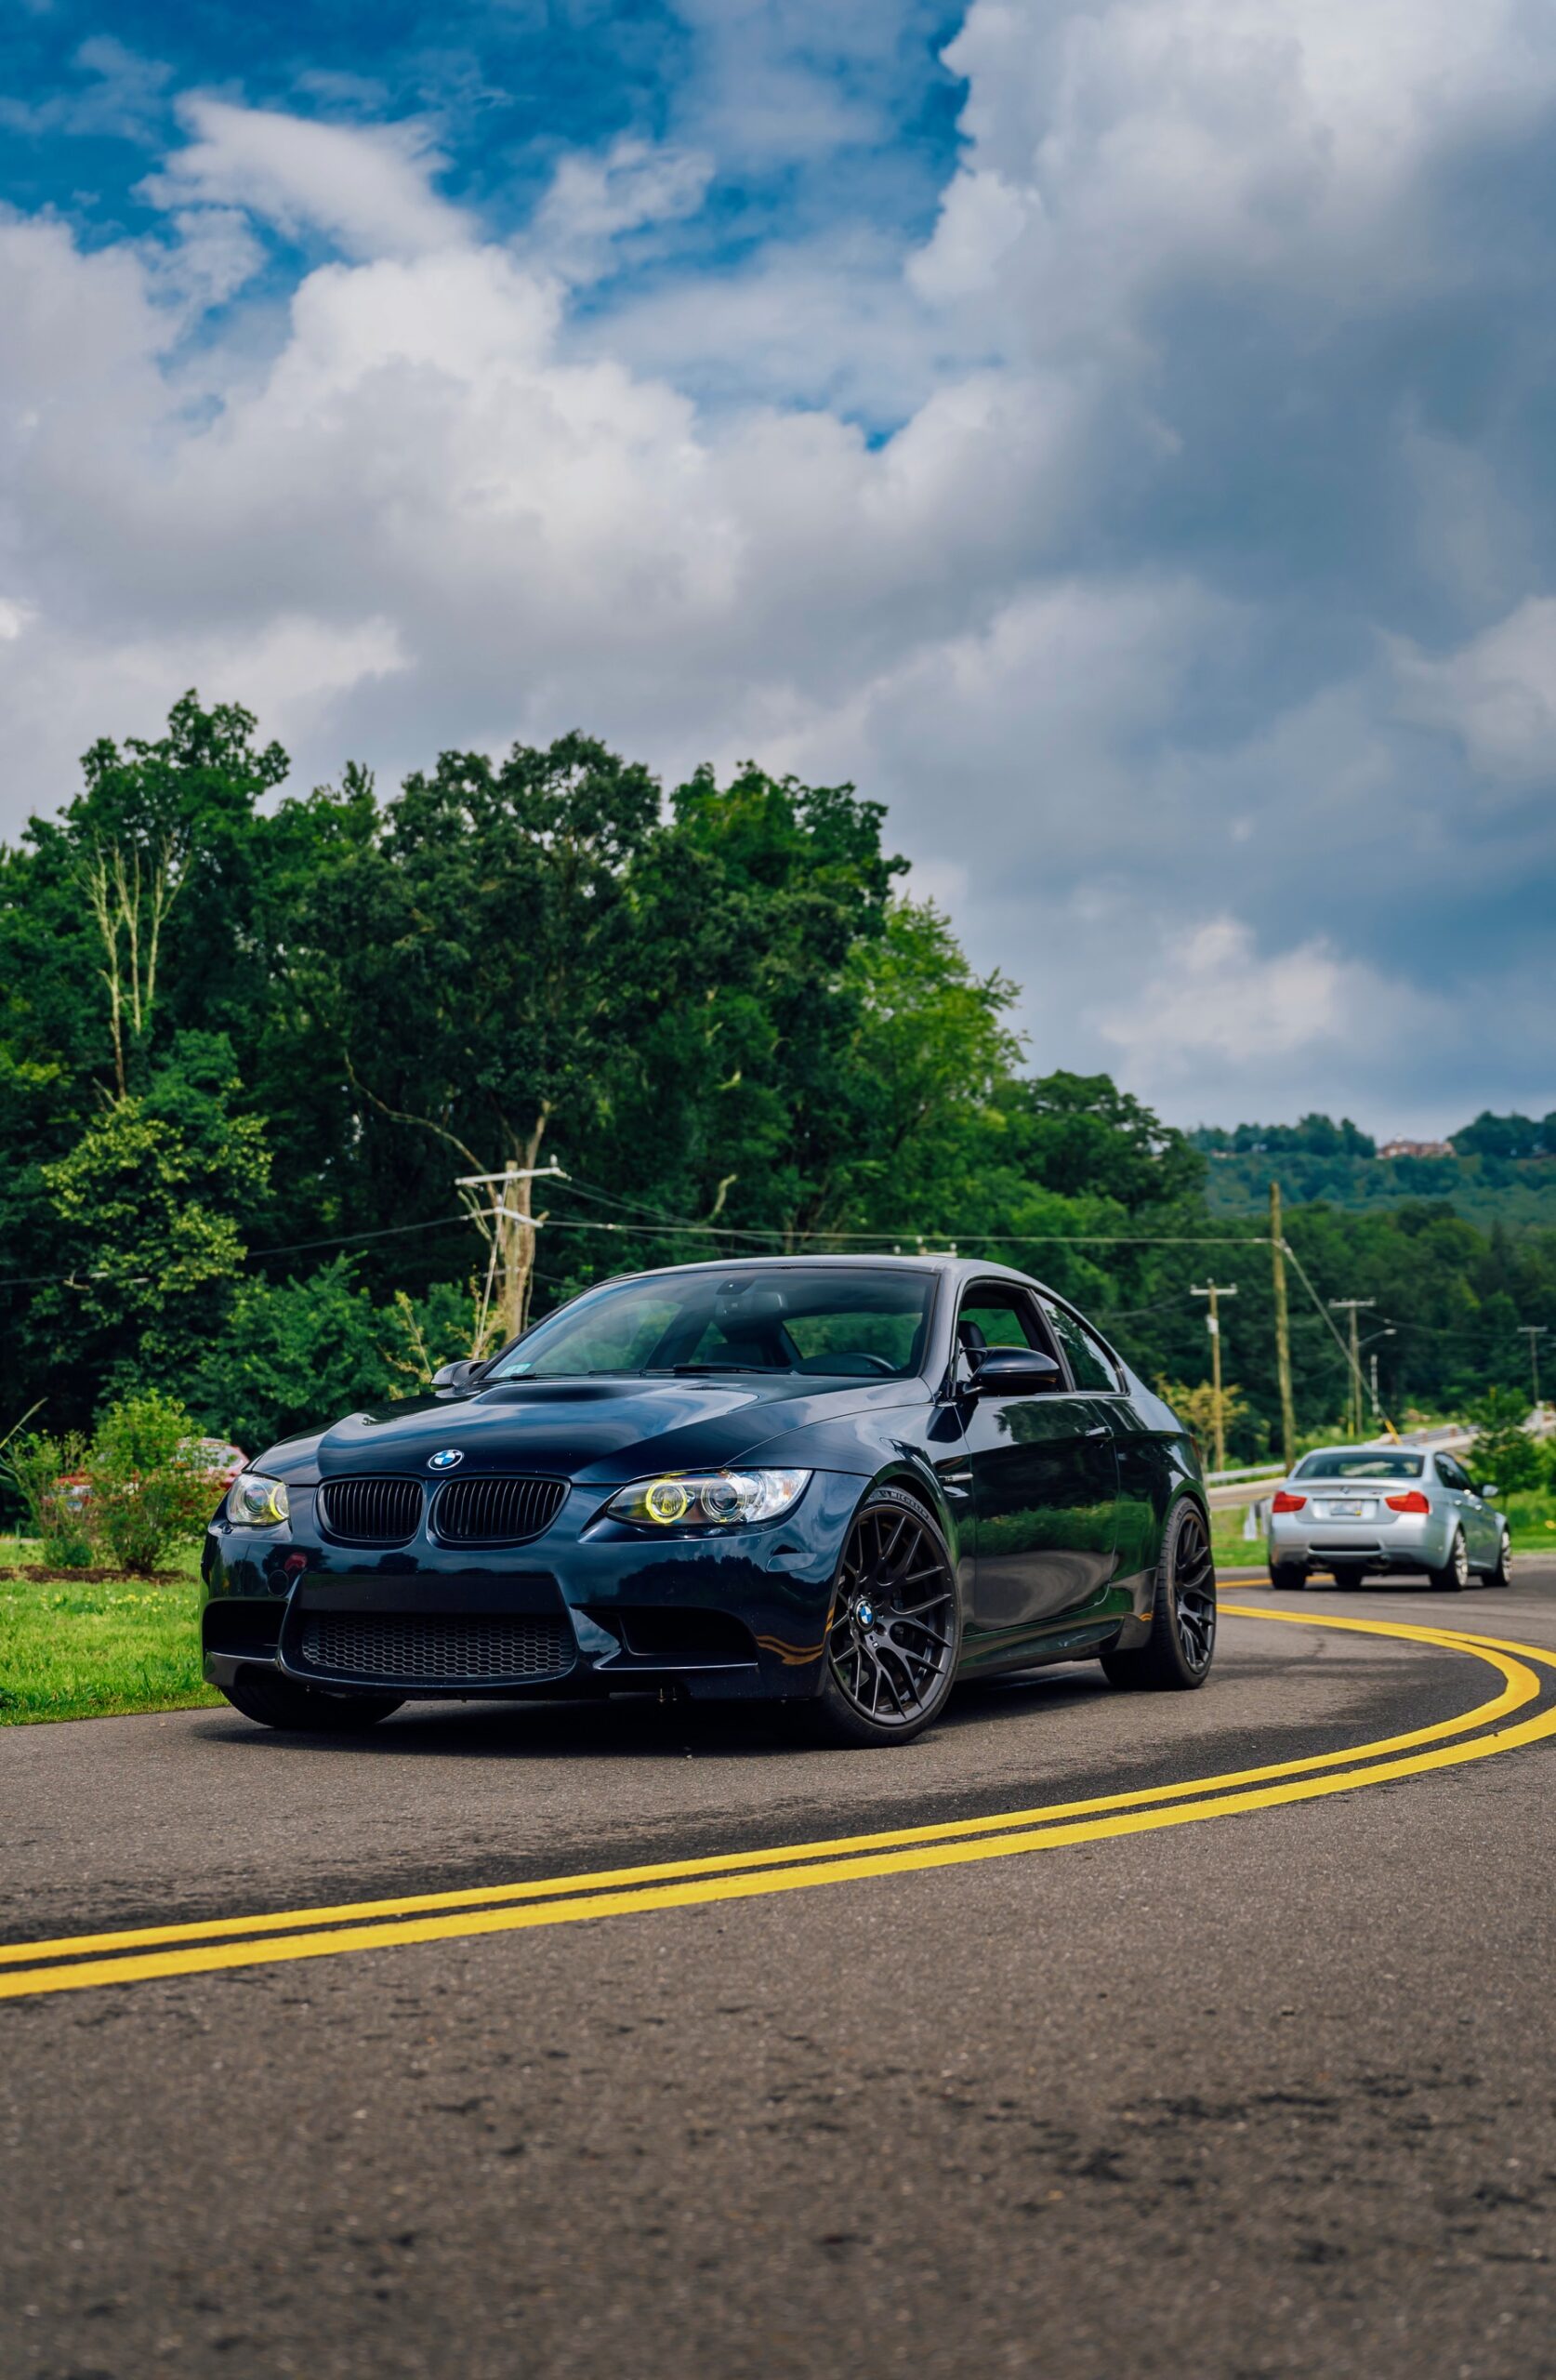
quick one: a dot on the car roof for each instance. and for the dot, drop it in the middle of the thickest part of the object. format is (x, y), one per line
(1367, 1446)
(940, 1261)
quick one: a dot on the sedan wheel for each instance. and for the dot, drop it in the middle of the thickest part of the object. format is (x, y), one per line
(1182, 1638)
(896, 1626)
(277, 1701)
(1455, 1573)
(1501, 1574)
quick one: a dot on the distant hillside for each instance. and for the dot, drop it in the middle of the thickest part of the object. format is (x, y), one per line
(1519, 1194)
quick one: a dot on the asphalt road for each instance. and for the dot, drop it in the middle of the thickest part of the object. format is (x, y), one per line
(1242, 2079)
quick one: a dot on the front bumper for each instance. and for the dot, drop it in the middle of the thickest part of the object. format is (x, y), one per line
(588, 1606)
(1403, 1541)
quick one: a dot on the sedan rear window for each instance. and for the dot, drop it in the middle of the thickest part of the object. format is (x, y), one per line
(1359, 1462)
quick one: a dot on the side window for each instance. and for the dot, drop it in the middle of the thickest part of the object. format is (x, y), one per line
(1089, 1364)
(995, 1313)
(1452, 1476)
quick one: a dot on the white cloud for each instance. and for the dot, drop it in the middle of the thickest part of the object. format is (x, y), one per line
(593, 201)
(1216, 997)
(1497, 694)
(366, 188)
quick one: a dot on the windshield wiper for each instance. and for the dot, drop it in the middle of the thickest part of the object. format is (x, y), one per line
(724, 1368)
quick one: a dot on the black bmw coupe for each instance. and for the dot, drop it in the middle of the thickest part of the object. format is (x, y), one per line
(837, 1482)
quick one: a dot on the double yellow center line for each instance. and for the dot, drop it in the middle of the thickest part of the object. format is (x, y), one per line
(81, 1962)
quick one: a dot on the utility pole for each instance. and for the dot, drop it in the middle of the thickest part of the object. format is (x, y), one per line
(1534, 1332)
(1282, 1329)
(1215, 1291)
(1353, 1307)
(505, 1218)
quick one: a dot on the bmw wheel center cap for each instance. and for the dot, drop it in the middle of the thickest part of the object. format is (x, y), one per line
(866, 1614)
(444, 1459)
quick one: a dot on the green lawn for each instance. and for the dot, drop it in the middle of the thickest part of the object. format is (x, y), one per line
(72, 1651)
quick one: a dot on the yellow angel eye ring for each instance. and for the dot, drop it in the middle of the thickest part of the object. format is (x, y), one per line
(666, 1500)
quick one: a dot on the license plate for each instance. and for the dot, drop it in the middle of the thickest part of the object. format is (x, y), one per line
(1345, 1512)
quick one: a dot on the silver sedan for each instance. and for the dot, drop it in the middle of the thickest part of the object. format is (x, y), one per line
(1355, 1511)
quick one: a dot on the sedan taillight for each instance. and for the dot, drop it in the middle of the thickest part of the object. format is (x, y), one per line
(1282, 1501)
(1412, 1502)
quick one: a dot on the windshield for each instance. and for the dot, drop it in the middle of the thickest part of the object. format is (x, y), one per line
(1359, 1462)
(837, 1323)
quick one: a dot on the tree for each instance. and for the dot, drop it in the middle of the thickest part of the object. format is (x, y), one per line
(145, 1200)
(1079, 1134)
(1503, 1448)
(292, 1355)
(159, 842)
(1508, 1137)
(473, 962)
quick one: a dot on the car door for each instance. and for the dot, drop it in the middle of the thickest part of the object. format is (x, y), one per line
(1482, 1533)
(1044, 1477)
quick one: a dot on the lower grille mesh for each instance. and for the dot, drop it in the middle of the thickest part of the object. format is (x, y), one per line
(395, 1649)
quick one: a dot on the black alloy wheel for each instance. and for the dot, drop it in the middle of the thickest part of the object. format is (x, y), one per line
(276, 1702)
(1454, 1576)
(1176, 1654)
(895, 1631)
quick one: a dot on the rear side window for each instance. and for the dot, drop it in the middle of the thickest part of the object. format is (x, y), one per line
(1452, 1475)
(1089, 1364)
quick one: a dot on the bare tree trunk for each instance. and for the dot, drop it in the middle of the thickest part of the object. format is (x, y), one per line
(120, 903)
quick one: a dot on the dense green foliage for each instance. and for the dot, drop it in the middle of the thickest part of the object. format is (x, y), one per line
(251, 1040)
(1310, 1136)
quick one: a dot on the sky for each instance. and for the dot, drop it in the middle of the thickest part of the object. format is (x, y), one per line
(1116, 435)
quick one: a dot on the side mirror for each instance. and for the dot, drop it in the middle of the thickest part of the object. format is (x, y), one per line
(461, 1375)
(1014, 1372)
(1487, 1489)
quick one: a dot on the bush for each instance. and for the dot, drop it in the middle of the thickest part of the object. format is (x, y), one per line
(148, 1488)
(36, 1466)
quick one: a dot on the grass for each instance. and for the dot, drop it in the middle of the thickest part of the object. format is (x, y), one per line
(72, 1651)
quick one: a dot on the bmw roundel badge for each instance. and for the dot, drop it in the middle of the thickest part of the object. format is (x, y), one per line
(444, 1459)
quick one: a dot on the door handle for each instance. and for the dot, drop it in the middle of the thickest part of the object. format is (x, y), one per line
(1101, 1431)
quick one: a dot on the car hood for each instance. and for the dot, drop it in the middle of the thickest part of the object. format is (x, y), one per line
(607, 1430)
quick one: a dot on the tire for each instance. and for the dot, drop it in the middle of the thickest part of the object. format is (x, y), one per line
(1178, 1653)
(1454, 1576)
(894, 1633)
(1289, 1577)
(1347, 1577)
(1499, 1575)
(277, 1701)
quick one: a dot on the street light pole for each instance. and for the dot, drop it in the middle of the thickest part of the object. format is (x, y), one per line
(1353, 1307)
(1534, 1332)
(1215, 1291)
(1282, 1331)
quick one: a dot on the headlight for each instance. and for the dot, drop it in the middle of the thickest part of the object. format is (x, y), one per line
(709, 1498)
(258, 1503)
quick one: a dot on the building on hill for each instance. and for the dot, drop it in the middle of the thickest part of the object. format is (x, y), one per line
(1418, 1148)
